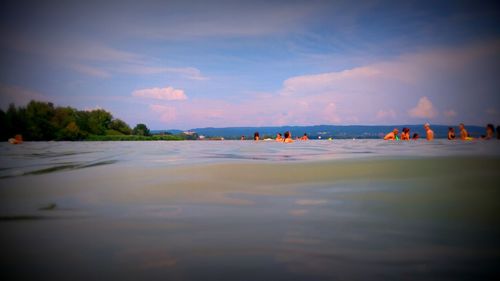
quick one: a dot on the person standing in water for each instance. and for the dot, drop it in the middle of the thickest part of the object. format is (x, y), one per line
(451, 133)
(288, 137)
(392, 135)
(490, 132)
(304, 137)
(463, 132)
(415, 136)
(428, 132)
(279, 137)
(256, 136)
(405, 135)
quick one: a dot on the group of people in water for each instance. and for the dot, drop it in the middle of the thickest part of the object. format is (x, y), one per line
(429, 134)
(287, 138)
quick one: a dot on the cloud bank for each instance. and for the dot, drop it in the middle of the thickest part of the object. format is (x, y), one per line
(168, 93)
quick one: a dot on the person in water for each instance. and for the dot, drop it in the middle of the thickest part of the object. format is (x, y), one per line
(18, 139)
(392, 135)
(256, 136)
(429, 134)
(451, 133)
(415, 136)
(304, 137)
(463, 132)
(490, 132)
(279, 137)
(405, 135)
(242, 138)
(288, 137)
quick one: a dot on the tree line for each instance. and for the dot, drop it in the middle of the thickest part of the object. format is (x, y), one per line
(42, 121)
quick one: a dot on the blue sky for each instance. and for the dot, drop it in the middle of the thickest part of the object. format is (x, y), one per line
(186, 64)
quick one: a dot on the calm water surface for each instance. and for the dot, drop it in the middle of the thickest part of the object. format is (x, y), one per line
(240, 210)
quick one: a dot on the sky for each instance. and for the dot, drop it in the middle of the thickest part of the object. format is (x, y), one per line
(190, 64)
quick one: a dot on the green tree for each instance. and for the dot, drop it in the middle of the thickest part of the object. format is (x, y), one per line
(38, 119)
(120, 126)
(71, 132)
(15, 121)
(4, 134)
(141, 130)
(98, 121)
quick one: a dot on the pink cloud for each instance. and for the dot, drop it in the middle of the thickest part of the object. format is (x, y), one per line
(386, 114)
(167, 113)
(168, 93)
(369, 94)
(450, 113)
(424, 109)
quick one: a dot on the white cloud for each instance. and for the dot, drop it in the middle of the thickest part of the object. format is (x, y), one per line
(168, 93)
(424, 109)
(325, 81)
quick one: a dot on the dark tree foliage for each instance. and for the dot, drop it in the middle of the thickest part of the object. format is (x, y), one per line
(120, 126)
(44, 121)
(141, 130)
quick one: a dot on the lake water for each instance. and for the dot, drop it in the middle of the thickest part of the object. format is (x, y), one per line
(240, 210)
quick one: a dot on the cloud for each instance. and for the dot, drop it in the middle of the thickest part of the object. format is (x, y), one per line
(222, 19)
(310, 202)
(386, 114)
(187, 72)
(424, 109)
(450, 113)
(92, 71)
(374, 93)
(168, 93)
(18, 95)
(325, 81)
(491, 111)
(167, 113)
(94, 58)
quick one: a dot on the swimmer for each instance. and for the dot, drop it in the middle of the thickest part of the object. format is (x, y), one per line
(304, 137)
(428, 132)
(392, 135)
(416, 136)
(288, 137)
(405, 135)
(463, 132)
(451, 133)
(256, 136)
(18, 139)
(490, 132)
(279, 137)
(242, 138)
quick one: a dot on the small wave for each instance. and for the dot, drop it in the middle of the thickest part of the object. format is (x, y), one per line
(60, 168)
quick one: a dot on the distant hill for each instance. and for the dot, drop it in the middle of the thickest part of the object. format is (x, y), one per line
(327, 131)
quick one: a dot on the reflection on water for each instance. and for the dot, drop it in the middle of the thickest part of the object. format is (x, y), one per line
(342, 210)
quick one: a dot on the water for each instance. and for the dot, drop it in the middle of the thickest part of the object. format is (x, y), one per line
(239, 210)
